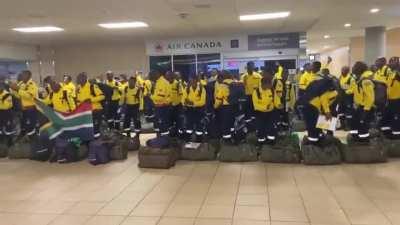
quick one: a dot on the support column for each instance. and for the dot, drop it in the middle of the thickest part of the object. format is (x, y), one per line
(375, 43)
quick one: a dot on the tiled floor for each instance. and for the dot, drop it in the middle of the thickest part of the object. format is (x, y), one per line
(198, 193)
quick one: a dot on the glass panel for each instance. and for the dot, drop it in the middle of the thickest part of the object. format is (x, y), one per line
(186, 65)
(207, 62)
(162, 63)
(10, 69)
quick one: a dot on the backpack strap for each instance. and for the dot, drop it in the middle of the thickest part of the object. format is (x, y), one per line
(65, 97)
(92, 92)
(5, 97)
(258, 93)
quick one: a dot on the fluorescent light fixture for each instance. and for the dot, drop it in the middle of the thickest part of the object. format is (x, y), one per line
(265, 16)
(326, 36)
(38, 29)
(123, 25)
(347, 25)
(374, 10)
(326, 46)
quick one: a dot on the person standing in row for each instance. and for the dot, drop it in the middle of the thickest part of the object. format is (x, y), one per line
(113, 105)
(131, 100)
(88, 92)
(194, 101)
(161, 99)
(251, 80)
(27, 91)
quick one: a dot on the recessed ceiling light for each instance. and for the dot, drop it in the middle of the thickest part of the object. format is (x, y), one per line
(38, 29)
(326, 36)
(374, 10)
(264, 16)
(123, 25)
(326, 46)
(347, 25)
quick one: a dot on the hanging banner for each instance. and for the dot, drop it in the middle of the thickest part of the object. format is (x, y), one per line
(273, 41)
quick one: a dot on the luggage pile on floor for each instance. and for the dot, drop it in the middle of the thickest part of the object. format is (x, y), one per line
(163, 152)
(110, 146)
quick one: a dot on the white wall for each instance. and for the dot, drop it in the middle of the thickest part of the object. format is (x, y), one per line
(340, 56)
(96, 59)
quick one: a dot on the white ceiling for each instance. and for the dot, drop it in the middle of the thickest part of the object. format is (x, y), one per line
(79, 18)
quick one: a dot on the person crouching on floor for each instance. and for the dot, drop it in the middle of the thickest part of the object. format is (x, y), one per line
(194, 100)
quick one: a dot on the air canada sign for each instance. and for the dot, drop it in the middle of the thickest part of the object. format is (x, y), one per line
(187, 45)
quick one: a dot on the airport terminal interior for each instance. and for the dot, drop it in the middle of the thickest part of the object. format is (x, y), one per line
(200, 112)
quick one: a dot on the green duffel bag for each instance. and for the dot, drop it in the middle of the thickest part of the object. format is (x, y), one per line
(242, 152)
(214, 144)
(392, 147)
(4, 145)
(251, 138)
(156, 158)
(285, 150)
(117, 152)
(327, 153)
(365, 152)
(198, 152)
(298, 125)
(130, 143)
(20, 149)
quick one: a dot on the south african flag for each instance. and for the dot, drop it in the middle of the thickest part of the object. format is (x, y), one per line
(76, 124)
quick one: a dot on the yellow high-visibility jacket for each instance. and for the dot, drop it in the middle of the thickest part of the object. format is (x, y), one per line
(90, 92)
(6, 100)
(263, 100)
(251, 82)
(194, 97)
(324, 101)
(161, 92)
(222, 93)
(364, 93)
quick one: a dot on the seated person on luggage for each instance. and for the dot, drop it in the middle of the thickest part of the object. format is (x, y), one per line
(161, 98)
(27, 91)
(318, 98)
(6, 113)
(364, 100)
(226, 110)
(263, 101)
(176, 104)
(88, 92)
(60, 98)
(194, 101)
(131, 101)
(393, 108)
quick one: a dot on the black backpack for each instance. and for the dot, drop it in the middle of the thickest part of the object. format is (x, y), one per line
(236, 93)
(316, 88)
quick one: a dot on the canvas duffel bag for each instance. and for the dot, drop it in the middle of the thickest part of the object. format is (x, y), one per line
(242, 152)
(157, 158)
(327, 153)
(198, 151)
(365, 152)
